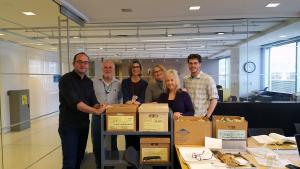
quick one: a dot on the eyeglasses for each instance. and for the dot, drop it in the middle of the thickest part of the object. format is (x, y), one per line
(202, 156)
(82, 62)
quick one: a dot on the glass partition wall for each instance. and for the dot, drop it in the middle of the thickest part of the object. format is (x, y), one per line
(29, 67)
(254, 60)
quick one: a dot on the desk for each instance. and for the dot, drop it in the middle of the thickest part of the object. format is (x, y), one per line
(284, 114)
(293, 158)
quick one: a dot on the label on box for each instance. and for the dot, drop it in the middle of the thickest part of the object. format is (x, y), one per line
(153, 122)
(231, 134)
(121, 123)
(161, 152)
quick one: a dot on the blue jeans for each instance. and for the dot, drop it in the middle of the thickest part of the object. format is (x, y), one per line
(96, 140)
(73, 143)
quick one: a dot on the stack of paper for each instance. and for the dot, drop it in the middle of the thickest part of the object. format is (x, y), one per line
(274, 138)
(261, 156)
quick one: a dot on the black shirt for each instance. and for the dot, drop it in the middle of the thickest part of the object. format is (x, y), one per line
(72, 90)
(129, 89)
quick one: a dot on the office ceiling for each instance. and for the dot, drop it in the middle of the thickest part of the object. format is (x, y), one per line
(153, 29)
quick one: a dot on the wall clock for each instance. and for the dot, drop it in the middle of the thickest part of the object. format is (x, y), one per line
(249, 67)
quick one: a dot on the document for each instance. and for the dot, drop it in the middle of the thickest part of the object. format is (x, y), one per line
(196, 154)
(213, 143)
(274, 138)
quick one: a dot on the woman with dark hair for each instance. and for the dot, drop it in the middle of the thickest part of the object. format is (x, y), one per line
(133, 89)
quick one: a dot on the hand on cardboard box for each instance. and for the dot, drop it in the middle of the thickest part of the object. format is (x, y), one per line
(131, 102)
(101, 109)
(177, 115)
(208, 115)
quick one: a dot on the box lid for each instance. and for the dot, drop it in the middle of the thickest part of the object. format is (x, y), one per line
(154, 108)
(192, 118)
(155, 140)
(122, 108)
(227, 119)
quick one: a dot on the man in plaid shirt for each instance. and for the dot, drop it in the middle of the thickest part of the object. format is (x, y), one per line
(201, 87)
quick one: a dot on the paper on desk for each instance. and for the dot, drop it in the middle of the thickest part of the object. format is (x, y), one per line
(186, 153)
(213, 143)
(260, 155)
(279, 163)
(287, 152)
(207, 166)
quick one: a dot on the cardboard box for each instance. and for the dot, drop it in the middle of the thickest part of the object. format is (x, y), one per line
(155, 146)
(121, 117)
(230, 127)
(154, 117)
(190, 130)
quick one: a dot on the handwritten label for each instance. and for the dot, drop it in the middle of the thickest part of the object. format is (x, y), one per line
(153, 122)
(231, 134)
(120, 123)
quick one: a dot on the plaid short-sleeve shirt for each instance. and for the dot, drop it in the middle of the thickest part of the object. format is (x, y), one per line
(202, 90)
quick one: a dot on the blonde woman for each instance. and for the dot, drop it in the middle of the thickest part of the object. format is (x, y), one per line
(156, 85)
(179, 101)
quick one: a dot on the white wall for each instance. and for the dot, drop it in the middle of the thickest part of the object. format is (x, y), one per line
(243, 83)
(235, 71)
(27, 68)
(250, 81)
(211, 67)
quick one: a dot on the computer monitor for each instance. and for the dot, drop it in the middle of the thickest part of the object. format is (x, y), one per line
(297, 136)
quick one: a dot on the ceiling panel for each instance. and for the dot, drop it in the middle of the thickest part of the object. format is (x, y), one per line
(154, 28)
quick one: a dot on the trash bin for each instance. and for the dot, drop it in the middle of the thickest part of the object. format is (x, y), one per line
(19, 109)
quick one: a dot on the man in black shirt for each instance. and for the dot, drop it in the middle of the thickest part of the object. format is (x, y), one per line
(77, 100)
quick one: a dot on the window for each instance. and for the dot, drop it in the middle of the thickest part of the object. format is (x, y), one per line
(282, 68)
(224, 73)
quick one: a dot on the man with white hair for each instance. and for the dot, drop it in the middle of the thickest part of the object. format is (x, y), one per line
(107, 90)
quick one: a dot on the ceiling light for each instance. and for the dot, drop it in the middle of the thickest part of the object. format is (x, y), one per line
(272, 5)
(101, 48)
(1, 34)
(75, 37)
(169, 35)
(220, 33)
(282, 36)
(133, 48)
(28, 13)
(194, 8)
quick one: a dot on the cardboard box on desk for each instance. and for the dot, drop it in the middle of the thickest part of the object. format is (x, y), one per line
(190, 130)
(230, 127)
(155, 148)
(153, 117)
(121, 117)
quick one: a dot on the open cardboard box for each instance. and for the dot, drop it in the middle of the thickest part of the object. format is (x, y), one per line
(230, 127)
(190, 130)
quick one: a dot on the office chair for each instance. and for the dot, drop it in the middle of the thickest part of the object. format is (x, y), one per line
(264, 131)
(297, 127)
